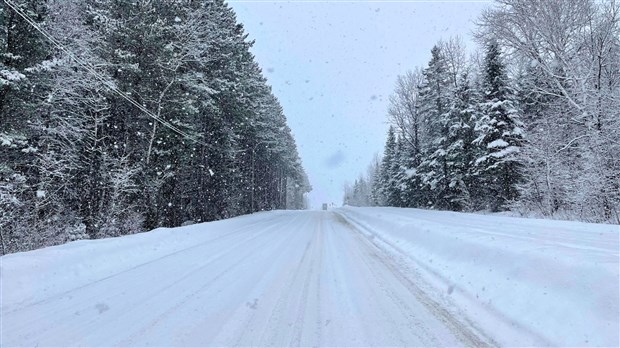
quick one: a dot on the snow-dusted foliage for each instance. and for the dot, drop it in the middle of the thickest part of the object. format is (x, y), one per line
(500, 133)
(532, 125)
(78, 160)
(567, 58)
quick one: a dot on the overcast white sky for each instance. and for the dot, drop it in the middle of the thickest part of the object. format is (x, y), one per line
(333, 65)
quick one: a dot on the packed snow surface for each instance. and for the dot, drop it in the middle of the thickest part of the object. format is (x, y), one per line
(346, 277)
(525, 281)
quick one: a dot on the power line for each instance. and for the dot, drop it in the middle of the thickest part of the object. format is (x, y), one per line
(99, 77)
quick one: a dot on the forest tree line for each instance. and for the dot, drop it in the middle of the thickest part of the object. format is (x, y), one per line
(529, 123)
(165, 118)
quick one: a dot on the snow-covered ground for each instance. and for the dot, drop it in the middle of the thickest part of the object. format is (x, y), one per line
(526, 281)
(347, 277)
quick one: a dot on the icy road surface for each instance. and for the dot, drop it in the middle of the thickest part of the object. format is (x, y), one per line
(336, 278)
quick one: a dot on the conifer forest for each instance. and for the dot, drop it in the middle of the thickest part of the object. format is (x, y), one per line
(530, 122)
(164, 118)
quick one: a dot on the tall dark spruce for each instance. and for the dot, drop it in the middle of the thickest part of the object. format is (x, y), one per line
(500, 134)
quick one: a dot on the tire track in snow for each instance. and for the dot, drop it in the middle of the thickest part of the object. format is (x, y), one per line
(243, 332)
(243, 258)
(286, 298)
(103, 294)
(413, 323)
(317, 241)
(319, 317)
(380, 299)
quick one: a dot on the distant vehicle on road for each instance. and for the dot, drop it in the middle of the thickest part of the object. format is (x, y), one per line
(324, 206)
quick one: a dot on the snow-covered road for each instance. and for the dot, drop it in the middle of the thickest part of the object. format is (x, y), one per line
(270, 279)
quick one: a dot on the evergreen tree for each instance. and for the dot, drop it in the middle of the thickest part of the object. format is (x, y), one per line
(21, 49)
(500, 133)
(376, 194)
(395, 181)
(410, 183)
(435, 99)
(461, 152)
(386, 180)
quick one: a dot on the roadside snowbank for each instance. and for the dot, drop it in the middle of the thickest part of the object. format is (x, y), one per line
(557, 281)
(41, 274)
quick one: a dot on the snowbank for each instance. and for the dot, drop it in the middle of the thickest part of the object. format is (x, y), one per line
(41, 274)
(555, 281)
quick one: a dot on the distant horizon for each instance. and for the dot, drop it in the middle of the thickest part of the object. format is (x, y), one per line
(333, 66)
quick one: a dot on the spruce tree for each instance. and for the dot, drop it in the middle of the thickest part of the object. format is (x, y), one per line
(386, 178)
(500, 133)
(435, 99)
(394, 186)
(461, 152)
